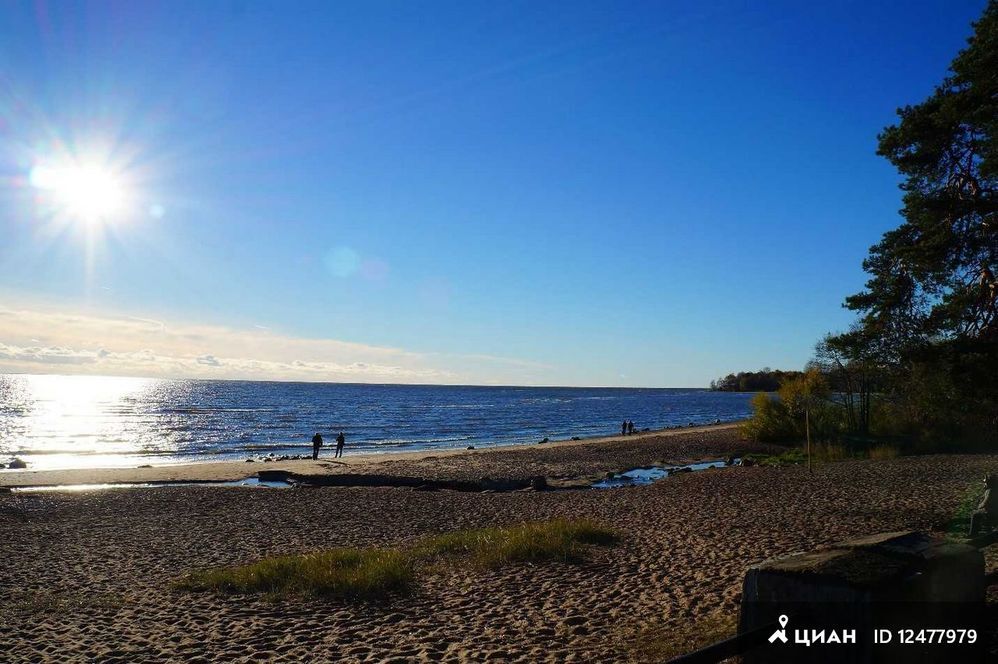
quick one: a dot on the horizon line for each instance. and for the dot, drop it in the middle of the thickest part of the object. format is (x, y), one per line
(332, 382)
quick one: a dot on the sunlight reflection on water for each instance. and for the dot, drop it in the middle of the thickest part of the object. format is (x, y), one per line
(69, 422)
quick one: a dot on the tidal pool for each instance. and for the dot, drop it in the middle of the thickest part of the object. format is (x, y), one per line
(649, 474)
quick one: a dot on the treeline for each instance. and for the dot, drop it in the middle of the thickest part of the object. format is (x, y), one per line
(764, 380)
(920, 364)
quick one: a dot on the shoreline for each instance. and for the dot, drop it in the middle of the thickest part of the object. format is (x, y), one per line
(228, 471)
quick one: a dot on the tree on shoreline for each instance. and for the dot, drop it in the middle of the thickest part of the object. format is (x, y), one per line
(764, 380)
(929, 313)
(921, 362)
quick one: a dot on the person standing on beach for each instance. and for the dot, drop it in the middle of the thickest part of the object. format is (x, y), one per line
(316, 444)
(340, 442)
(623, 428)
(630, 426)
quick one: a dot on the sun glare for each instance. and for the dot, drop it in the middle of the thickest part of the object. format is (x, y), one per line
(87, 192)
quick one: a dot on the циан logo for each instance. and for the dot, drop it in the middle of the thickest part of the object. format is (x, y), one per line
(781, 633)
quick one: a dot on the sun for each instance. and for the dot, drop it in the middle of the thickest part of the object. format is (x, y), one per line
(87, 191)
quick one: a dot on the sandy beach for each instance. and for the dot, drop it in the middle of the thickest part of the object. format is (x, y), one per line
(576, 459)
(88, 575)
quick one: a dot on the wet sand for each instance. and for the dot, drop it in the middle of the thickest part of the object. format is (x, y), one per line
(87, 576)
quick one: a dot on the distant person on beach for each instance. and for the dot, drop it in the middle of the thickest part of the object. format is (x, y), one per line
(341, 440)
(316, 444)
(630, 426)
(623, 428)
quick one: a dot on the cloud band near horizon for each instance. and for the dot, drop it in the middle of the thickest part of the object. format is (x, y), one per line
(33, 340)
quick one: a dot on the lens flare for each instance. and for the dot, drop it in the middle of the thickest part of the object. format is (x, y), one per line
(87, 191)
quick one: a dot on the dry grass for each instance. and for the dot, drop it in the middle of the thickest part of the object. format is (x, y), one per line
(884, 452)
(830, 452)
(345, 573)
(559, 539)
(371, 574)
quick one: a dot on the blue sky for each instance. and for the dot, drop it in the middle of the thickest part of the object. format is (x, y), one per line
(648, 194)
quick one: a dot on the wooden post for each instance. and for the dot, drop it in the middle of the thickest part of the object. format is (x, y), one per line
(807, 430)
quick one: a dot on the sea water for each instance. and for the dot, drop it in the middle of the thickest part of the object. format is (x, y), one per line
(86, 421)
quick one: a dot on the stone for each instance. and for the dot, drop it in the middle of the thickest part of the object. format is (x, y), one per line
(987, 511)
(250, 460)
(275, 475)
(470, 447)
(867, 582)
(17, 464)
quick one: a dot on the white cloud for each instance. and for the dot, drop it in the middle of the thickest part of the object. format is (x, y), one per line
(48, 341)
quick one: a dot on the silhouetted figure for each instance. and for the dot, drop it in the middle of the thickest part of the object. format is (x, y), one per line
(340, 442)
(630, 426)
(316, 444)
(623, 428)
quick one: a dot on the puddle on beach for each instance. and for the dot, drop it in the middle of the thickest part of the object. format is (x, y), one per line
(643, 476)
(249, 482)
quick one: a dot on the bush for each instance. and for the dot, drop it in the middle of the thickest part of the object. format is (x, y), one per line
(783, 419)
(770, 421)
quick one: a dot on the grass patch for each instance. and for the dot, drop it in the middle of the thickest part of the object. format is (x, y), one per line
(660, 643)
(559, 539)
(344, 573)
(958, 527)
(373, 573)
(824, 453)
(794, 456)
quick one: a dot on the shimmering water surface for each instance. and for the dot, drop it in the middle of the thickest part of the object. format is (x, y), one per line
(84, 421)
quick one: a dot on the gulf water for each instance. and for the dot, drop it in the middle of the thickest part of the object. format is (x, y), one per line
(86, 421)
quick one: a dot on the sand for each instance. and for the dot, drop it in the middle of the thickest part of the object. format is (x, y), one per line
(589, 455)
(87, 576)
